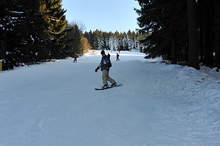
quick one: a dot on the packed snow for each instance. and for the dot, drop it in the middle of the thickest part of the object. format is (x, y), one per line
(55, 104)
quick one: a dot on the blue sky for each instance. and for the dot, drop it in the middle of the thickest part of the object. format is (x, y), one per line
(105, 15)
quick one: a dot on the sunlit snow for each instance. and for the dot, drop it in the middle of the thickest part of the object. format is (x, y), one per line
(55, 104)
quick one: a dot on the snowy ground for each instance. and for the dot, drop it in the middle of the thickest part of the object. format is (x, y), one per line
(55, 104)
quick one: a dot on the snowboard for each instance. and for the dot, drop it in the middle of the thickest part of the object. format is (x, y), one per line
(108, 87)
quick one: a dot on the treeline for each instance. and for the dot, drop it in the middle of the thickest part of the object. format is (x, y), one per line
(185, 30)
(77, 42)
(115, 40)
(33, 31)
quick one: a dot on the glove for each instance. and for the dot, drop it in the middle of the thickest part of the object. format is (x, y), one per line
(96, 69)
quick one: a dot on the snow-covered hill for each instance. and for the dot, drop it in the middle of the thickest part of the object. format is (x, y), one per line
(158, 105)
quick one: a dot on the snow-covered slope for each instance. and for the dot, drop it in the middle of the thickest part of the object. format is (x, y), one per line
(55, 104)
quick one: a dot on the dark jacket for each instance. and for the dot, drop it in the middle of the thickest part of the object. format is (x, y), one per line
(105, 62)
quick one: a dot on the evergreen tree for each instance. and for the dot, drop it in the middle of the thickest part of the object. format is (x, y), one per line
(161, 20)
(56, 25)
(114, 41)
(69, 38)
(12, 34)
(125, 41)
(217, 33)
(76, 39)
(3, 24)
(206, 15)
(178, 39)
(32, 30)
(193, 36)
(77, 43)
(21, 32)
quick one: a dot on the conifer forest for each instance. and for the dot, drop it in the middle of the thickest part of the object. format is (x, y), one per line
(186, 32)
(36, 31)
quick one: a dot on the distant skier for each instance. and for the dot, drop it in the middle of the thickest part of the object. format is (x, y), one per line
(75, 56)
(105, 65)
(117, 57)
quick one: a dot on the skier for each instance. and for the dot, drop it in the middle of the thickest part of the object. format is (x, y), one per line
(75, 56)
(105, 66)
(117, 57)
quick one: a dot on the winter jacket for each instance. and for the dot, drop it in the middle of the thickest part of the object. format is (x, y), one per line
(105, 62)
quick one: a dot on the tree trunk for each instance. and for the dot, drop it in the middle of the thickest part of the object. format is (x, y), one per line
(193, 36)
(208, 36)
(174, 57)
(217, 33)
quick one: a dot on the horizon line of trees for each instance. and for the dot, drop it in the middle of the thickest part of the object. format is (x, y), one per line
(186, 30)
(115, 41)
(36, 31)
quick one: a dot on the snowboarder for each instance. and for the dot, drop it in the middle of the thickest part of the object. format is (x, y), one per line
(105, 66)
(117, 57)
(75, 56)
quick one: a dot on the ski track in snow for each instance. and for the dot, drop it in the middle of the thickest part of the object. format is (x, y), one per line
(158, 105)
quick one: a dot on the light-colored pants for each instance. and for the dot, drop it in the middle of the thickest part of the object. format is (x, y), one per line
(105, 77)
